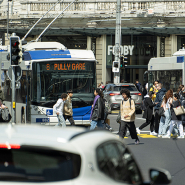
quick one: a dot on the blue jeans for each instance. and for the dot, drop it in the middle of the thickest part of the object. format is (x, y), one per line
(164, 122)
(94, 123)
(61, 121)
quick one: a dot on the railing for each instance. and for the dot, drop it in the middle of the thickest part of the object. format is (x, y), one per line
(33, 8)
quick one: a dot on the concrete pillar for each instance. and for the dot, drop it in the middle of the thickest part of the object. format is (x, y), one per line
(158, 46)
(101, 58)
(89, 42)
(173, 44)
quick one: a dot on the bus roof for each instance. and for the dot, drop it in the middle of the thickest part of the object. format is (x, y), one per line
(58, 54)
(166, 63)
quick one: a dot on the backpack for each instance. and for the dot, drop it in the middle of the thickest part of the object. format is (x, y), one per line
(143, 105)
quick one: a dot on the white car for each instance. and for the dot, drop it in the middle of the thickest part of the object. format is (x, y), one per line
(71, 156)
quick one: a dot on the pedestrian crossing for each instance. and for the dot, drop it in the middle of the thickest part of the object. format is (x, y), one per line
(144, 135)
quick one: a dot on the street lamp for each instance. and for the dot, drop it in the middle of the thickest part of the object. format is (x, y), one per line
(8, 18)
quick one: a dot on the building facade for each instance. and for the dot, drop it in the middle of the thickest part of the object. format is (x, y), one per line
(149, 29)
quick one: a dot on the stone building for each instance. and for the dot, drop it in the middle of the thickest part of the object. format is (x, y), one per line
(149, 29)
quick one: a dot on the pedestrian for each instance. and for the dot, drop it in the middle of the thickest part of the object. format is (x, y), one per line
(180, 92)
(97, 111)
(2, 98)
(138, 85)
(68, 110)
(106, 125)
(165, 120)
(127, 109)
(159, 98)
(148, 113)
(176, 120)
(183, 116)
(99, 85)
(58, 109)
(154, 89)
(102, 86)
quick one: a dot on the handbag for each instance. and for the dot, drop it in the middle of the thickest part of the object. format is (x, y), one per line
(179, 110)
(161, 111)
(118, 119)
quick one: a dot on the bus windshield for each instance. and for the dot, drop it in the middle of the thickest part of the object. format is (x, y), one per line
(52, 78)
(171, 79)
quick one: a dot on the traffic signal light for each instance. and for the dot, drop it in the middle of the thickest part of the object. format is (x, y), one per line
(14, 50)
(123, 63)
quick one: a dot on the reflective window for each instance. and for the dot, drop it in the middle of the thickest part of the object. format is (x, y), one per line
(170, 79)
(31, 164)
(51, 79)
(130, 88)
(117, 162)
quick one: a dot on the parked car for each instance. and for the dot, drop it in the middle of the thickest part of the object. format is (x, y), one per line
(114, 97)
(71, 156)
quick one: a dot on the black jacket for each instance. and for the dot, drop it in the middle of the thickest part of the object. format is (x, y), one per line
(174, 105)
(159, 97)
(98, 111)
(2, 98)
(149, 108)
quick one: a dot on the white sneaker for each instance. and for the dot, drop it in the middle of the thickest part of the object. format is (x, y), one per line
(137, 130)
(166, 136)
(153, 133)
(159, 135)
(180, 137)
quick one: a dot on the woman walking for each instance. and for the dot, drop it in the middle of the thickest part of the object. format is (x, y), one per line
(176, 120)
(127, 109)
(165, 121)
(97, 111)
(148, 113)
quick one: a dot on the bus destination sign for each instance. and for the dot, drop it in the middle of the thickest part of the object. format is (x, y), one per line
(65, 66)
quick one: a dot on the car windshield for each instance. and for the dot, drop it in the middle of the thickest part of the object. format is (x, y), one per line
(130, 88)
(35, 164)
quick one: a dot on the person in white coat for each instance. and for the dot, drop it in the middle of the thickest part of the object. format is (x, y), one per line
(58, 109)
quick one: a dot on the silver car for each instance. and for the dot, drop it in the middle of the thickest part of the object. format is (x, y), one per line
(114, 97)
(34, 155)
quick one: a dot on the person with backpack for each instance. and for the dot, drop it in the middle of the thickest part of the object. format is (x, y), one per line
(58, 109)
(127, 109)
(148, 112)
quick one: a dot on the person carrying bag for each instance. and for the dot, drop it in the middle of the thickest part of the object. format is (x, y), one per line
(176, 119)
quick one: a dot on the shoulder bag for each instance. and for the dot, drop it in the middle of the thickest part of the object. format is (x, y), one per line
(179, 110)
(161, 111)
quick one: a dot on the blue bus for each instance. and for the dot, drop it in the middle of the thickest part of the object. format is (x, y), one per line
(48, 70)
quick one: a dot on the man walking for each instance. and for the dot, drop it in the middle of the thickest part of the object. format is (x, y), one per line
(159, 98)
(68, 111)
(58, 109)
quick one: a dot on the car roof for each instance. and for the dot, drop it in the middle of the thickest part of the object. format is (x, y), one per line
(120, 84)
(50, 136)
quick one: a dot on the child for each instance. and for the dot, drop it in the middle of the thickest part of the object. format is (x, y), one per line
(176, 119)
(58, 109)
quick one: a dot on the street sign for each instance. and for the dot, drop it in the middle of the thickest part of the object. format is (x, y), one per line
(18, 73)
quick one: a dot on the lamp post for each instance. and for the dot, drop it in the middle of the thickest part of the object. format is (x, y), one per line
(8, 19)
(117, 41)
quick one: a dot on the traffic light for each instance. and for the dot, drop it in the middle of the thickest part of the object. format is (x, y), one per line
(14, 50)
(123, 63)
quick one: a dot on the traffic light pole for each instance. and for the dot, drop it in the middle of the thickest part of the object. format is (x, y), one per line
(117, 40)
(13, 94)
